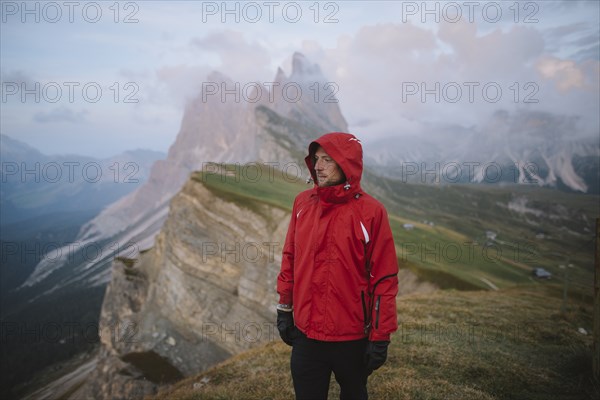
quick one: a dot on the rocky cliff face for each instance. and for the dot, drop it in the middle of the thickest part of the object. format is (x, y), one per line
(204, 292)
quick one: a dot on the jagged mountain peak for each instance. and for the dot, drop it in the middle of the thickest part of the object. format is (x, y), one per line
(212, 130)
(307, 96)
(303, 69)
(280, 76)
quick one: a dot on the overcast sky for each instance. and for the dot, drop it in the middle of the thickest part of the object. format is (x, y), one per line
(95, 78)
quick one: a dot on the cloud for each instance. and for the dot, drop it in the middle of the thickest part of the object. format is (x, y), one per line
(375, 67)
(240, 59)
(495, 55)
(225, 51)
(369, 54)
(578, 41)
(405, 40)
(564, 73)
(19, 77)
(180, 82)
(60, 114)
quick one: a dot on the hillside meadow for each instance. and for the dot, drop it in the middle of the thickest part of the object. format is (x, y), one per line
(511, 344)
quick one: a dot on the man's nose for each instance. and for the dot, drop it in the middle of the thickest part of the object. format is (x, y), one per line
(319, 165)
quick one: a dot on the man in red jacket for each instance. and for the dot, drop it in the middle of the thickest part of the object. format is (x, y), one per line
(338, 280)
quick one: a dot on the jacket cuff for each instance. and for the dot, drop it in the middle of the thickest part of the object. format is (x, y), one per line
(377, 337)
(285, 299)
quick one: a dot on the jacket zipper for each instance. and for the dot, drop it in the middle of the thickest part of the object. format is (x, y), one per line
(367, 323)
(377, 312)
(367, 314)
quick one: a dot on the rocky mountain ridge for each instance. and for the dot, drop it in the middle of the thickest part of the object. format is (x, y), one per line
(212, 130)
(525, 147)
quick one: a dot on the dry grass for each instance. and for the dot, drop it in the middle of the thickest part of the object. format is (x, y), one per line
(509, 344)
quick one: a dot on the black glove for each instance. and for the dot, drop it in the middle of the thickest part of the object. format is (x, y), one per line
(375, 355)
(285, 326)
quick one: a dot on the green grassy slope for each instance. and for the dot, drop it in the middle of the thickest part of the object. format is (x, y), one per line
(253, 182)
(448, 244)
(508, 344)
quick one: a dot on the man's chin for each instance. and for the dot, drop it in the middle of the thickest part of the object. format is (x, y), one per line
(328, 183)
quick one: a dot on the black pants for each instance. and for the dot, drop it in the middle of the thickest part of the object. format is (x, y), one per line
(313, 362)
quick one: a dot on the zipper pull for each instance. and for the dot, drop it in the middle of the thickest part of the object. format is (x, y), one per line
(377, 312)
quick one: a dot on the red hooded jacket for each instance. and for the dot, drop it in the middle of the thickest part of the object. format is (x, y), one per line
(339, 267)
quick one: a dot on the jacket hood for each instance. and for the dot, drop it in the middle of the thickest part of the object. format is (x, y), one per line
(347, 152)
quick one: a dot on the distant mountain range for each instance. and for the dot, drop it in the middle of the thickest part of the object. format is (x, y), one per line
(35, 184)
(530, 148)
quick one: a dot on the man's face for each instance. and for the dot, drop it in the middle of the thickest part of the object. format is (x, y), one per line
(327, 171)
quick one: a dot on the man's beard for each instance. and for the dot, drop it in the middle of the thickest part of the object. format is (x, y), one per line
(327, 183)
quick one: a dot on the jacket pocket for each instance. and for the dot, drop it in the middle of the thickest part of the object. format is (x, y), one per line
(378, 301)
